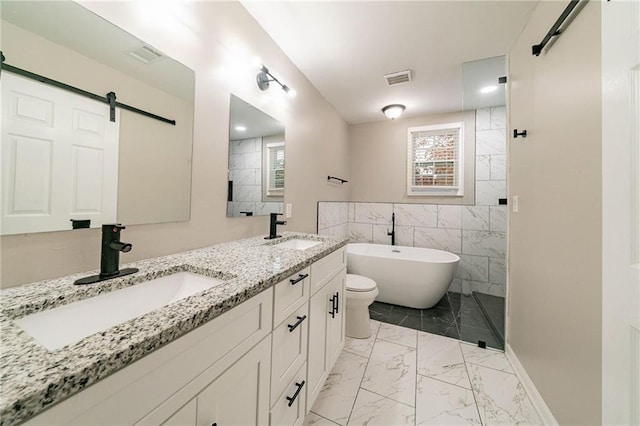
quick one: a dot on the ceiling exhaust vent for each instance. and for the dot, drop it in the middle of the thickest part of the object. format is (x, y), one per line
(145, 54)
(398, 77)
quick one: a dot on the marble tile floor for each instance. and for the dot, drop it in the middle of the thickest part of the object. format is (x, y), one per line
(455, 315)
(401, 376)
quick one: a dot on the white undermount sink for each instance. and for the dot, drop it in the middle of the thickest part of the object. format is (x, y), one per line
(58, 327)
(298, 244)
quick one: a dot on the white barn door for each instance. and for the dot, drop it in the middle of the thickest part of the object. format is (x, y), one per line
(59, 158)
(621, 212)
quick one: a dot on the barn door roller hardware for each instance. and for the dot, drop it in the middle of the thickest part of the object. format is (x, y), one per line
(570, 12)
(109, 99)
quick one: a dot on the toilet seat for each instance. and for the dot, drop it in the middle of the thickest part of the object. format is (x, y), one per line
(358, 283)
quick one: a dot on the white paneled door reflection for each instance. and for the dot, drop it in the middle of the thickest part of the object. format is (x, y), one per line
(59, 158)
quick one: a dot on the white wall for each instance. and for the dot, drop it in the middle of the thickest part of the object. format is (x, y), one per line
(212, 38)
(379, 159)
(555, 246)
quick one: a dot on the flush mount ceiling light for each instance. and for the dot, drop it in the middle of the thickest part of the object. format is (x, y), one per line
(241, 128)
(393, 111)
(488, 89)
(264, 77)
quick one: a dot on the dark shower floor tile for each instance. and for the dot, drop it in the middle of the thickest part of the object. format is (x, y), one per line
(455, 315)
(438, 315)
(454, 302)
(449, 301)
(442, 328)
(470, 314)
(381, 308)
(409, 321)
(378, 316)
(444, 302)
(407, 311)
(494, 308)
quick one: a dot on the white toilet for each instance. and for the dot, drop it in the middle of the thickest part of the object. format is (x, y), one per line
(361, 291)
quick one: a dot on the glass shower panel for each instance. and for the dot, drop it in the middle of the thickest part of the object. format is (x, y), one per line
(480, 304)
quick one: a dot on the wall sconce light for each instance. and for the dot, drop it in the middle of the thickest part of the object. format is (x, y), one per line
(264, 77)
(393, 111)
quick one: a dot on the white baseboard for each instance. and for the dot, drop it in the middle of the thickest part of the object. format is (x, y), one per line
(536, 399)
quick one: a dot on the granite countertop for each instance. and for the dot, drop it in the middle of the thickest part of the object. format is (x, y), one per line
(33, 378)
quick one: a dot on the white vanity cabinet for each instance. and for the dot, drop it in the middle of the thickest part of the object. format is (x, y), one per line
(327, 320)
(161, 386)
(262, 362)
(300, 364)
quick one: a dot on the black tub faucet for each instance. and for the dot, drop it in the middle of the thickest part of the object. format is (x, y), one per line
(110, 256)
(393, 229)
(273, 224)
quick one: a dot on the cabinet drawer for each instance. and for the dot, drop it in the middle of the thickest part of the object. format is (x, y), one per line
(289, 294)
(290, 408)
(288, 350)
(325, 268)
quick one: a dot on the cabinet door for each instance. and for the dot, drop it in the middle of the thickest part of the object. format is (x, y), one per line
(240, 395)
(184, 416)
(335, 323)
(319, 308)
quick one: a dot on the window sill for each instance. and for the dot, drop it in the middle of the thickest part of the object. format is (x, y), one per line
(429, 192)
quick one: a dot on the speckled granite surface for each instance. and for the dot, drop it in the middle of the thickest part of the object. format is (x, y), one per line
(33, 378)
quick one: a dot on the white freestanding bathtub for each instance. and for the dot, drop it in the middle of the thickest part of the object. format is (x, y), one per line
(408, 276)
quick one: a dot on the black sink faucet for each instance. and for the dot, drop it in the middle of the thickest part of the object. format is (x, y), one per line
(110, 256)
(272, 226)
(111, 248)
(393, 229)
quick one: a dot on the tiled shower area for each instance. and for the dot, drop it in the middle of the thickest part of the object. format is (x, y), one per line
(473, 309)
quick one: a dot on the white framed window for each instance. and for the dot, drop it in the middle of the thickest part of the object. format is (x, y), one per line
(435, 160)
(275, 169)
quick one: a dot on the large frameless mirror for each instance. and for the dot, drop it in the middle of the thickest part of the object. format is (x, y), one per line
(256, 161)
(72, 161)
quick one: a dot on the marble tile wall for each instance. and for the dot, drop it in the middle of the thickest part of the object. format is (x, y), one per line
(476, 233)
(333, 218)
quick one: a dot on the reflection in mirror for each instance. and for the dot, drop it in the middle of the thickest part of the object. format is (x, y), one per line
(481, 83)
(256, 161)
(63, 158)
(484, 94)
